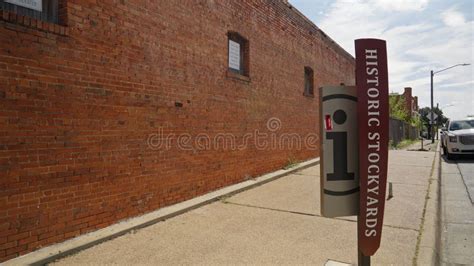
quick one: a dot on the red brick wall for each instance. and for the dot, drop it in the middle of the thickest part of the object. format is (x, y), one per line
(411, 103)
(79, 104)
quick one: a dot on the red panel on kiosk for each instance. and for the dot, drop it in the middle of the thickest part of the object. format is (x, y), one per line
(328, 122)
(373, 123)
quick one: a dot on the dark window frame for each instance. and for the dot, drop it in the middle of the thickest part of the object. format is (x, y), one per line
(308, 82)
(244, 53)
(52, 11)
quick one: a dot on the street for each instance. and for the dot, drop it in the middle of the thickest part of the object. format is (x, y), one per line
(466, 168)
(457, 193)
(278, 223)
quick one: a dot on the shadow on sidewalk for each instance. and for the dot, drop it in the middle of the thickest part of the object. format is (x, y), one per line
(465, 158)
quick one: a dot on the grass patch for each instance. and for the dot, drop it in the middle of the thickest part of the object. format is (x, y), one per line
(402, 144)
(406, 142)
(292, 162)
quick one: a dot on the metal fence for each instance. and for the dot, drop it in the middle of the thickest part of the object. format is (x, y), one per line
(50, 11)
(400, 130)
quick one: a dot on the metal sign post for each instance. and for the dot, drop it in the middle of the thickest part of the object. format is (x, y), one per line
(373, 125)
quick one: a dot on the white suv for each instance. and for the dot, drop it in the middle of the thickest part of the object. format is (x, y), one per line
(458, 137)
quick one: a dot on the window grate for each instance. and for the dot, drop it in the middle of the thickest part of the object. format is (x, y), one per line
(49, 14)
(238, 54)
(308, 81)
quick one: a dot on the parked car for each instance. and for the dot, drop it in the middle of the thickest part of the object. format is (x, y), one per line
(458, 137)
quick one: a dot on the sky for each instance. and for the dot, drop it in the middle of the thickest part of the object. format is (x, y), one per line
(421, 35)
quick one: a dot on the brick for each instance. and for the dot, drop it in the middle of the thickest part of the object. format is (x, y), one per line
(15, 250)
(50, 240)
(46, 235)
(34, 245)
(8, 245)
(28, 240)
(4, 225)
(8, 257)
(18, 236)
(9, 232)
(79, 115)
(72, 234)
(12, 17)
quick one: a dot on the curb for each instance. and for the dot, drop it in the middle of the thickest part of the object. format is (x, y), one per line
(68, 247)
(428, 246)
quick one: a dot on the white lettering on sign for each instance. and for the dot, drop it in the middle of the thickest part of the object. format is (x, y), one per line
(374, 141)
(234, 55)
(31, 4)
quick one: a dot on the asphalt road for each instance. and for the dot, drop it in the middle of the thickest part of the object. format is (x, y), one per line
(457, 207)
(466, 168)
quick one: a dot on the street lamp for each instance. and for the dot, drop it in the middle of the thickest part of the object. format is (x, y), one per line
(441, 109)
(432, 114)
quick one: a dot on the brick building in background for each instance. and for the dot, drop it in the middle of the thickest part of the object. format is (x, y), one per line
(84, 85)
(410, 101)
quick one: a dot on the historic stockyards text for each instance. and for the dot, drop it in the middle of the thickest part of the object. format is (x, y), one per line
(372, 93)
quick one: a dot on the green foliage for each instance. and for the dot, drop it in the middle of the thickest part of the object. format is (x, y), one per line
(392, 145)
(292, 162)
(402, 144)
(397, 108)
(406, 142)
(417, 122)
(441, 120)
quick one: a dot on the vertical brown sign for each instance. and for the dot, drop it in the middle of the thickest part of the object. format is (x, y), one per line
(373, 113)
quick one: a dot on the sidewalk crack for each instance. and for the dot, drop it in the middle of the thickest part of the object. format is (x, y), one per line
(310, 214)
(464, 182)
(271, 209)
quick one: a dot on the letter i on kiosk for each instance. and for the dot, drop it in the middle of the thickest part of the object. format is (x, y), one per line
(354, 146)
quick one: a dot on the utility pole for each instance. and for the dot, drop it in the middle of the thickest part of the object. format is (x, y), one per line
(432, 111)
(437, 108)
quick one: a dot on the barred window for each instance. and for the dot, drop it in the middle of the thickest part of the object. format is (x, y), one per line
(308, 82)
(238, 54)
(44, 10)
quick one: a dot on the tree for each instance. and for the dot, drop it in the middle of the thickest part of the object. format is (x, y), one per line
(425, 117)
(397, 108)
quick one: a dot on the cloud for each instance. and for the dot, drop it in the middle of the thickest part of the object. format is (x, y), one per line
(421, 36)
(401, 5)
(453, 18)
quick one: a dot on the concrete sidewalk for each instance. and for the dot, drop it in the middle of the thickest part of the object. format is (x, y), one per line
(427, 146)
(277, 223)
